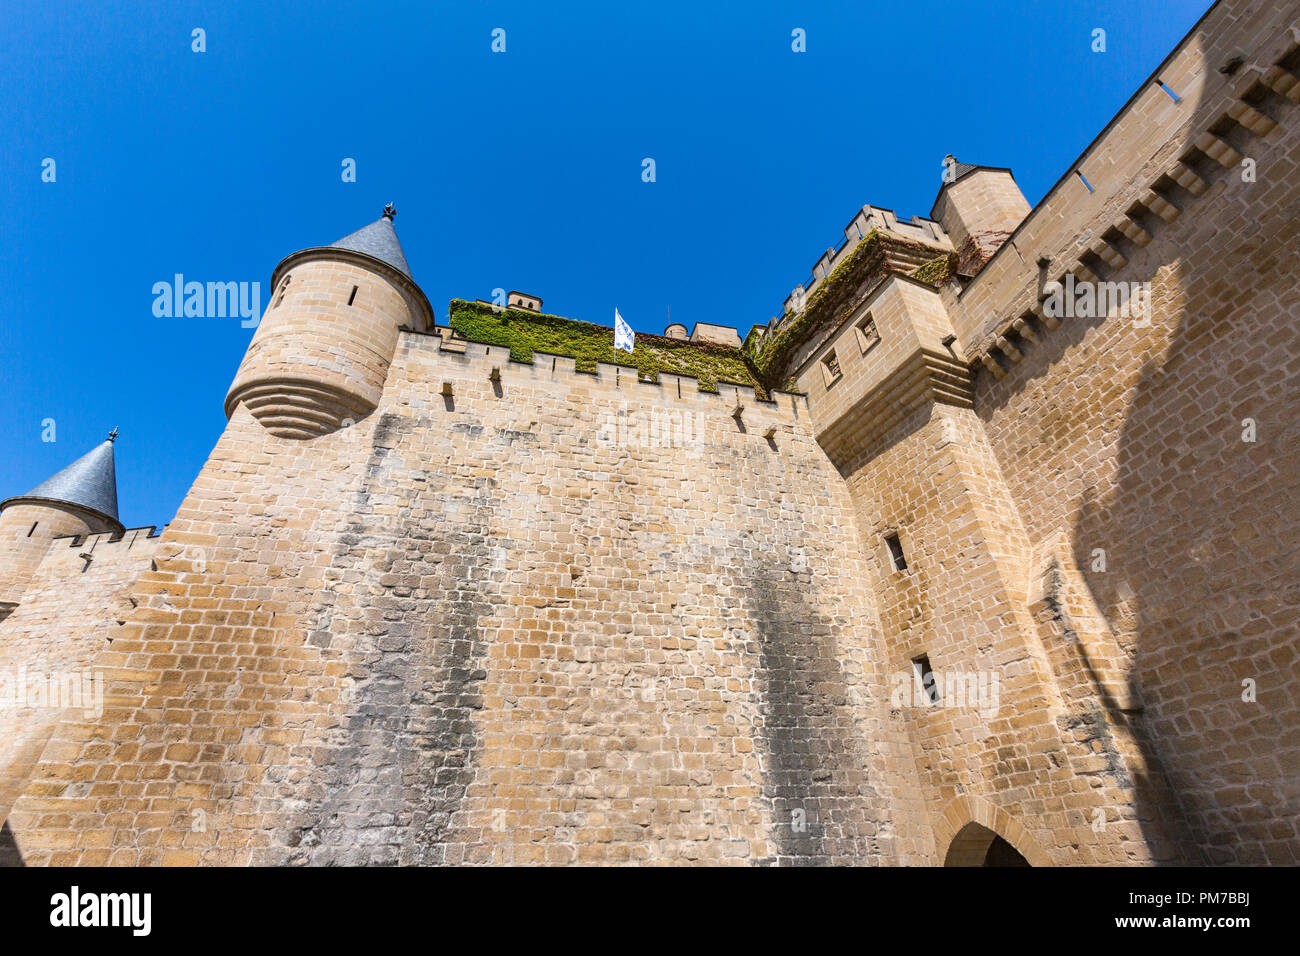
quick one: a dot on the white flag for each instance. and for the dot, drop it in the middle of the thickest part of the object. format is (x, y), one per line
(623, 335)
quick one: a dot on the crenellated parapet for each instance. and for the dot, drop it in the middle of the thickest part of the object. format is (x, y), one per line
(711, 353)
(474, 369)
(778, 350)
(79, 550)
(866, 220)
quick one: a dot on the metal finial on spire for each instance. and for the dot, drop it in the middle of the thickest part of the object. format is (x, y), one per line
(379, 241)
(112, 436)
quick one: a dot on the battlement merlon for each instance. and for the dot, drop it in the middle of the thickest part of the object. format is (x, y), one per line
(126, 537)
(81, 551)
(918, 229)
(492, 367)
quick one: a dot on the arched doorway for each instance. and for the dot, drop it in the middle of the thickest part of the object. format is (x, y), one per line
(976, 845)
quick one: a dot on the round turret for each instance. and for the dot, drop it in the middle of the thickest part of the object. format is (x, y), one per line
(321, 353)
(81, 499)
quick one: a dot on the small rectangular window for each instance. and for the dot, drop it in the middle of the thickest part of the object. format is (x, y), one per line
(896, 552)
(831, 369)
(33, 531)
(925, 678)
(353, 297)
(867, 334)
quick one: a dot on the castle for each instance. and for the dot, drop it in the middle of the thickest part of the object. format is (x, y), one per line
(924, 571)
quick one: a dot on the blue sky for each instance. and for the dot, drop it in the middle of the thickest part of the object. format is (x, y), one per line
(519, 170)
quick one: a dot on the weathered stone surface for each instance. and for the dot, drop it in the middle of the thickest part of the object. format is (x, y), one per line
(496, 613)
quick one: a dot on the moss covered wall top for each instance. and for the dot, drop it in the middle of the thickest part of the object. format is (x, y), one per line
(876, 256)
(525, 332)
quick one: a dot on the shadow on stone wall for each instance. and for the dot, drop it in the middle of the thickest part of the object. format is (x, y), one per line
(1202, 582)
(405, 754)
(815, 775)
(10, 855)
(1202, 577)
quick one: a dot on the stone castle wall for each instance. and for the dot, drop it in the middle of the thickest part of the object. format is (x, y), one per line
(68, 614)
(1129, 440)
(27, 531)
(1099, 440)
(1121, 438)
(498, 626)
(521, 614)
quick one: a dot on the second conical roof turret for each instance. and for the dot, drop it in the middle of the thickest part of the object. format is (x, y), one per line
(89, 484)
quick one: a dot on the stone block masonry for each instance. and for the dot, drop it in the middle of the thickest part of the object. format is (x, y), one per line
(465, 631)
(69, 613)
(1133, 442)
(425, 604)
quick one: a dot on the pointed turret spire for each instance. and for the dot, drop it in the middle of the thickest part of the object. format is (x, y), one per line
(379, 240)
(88, 484)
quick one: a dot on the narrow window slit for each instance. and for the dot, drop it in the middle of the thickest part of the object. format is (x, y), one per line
(896, 552)
(924, 674)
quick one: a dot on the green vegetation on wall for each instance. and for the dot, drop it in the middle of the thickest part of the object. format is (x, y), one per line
(865, 267)
(525, 332)
(938, 270)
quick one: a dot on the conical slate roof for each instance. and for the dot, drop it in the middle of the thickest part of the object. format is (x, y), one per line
(90, 482)
(379, 239)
